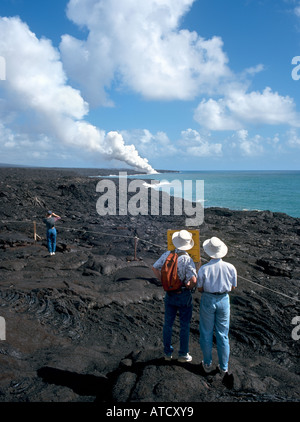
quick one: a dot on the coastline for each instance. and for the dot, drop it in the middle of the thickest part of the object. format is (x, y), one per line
(92, 311)
(277, 191)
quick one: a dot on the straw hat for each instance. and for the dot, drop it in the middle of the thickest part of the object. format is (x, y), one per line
(183, 240)
(215, 248)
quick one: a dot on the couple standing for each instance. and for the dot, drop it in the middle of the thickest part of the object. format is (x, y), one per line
(214, 280)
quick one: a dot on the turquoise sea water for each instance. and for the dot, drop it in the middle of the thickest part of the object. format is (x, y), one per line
(277, 191)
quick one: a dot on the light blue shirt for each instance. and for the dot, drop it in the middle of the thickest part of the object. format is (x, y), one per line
(217, 276)
(185, 267)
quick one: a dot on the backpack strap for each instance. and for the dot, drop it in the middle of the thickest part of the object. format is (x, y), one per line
(178, 253)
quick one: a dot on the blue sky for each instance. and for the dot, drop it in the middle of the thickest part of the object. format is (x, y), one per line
(158, 84)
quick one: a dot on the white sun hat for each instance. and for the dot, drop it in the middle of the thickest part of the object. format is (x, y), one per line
(215, 248)
(183, 240)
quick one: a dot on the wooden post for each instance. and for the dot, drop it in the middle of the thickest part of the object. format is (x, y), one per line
(135, 247)
(34, 231)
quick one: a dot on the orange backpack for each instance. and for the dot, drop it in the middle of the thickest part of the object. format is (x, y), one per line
(169, 277)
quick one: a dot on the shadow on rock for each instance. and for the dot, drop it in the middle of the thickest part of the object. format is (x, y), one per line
(228, 380)
(147, 380)
(84, 385)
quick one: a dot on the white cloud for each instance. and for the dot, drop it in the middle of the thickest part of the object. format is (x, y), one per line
(151, 145)
(194, 145)
(297, 10)
(254, 69)
(242, 134)
(36, 73)
(238, 108)
(275, 140)
(36, 92)
(138, 45)
(249, 147)
(190, 144)
(293, 138)
(215, 115)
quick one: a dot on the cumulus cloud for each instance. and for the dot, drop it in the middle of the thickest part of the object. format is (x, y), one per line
(239, 107)
(38, 103)
(195, 146)
(215, 115)
(138, 45)
(158, 145)
(293, 138)
(152, 145)
(249, 146)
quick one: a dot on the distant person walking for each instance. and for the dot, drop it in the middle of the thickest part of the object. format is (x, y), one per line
(181, 299)
(51, 234)
(215, 280)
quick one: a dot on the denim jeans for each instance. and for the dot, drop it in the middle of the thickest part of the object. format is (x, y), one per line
(183, 304)
(215, 315)
(51, 239)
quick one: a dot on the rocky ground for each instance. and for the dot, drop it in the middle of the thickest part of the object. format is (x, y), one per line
(85, 325)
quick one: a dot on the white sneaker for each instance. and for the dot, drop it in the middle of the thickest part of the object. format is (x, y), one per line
(222, 370)
(168, 357)
(185, 358)
(207, 368)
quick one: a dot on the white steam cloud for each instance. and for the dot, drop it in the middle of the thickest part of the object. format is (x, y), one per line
(138, 44)
(37, 102)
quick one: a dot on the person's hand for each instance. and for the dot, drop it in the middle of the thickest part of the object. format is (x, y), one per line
(191, 283)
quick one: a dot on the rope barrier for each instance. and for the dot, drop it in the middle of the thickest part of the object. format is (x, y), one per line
(268, 288)
(72, 229)
(153, 244)
(263, 287)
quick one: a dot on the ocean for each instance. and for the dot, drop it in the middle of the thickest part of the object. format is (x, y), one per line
(277, 191)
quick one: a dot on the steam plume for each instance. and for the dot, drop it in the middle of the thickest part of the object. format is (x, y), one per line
(36, 87)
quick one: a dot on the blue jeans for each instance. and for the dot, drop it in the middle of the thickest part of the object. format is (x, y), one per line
(182, 303)
(51, 239)
(215, 315)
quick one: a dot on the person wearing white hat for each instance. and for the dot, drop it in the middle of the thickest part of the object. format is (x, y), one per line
(181, 300)
(215, 279)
